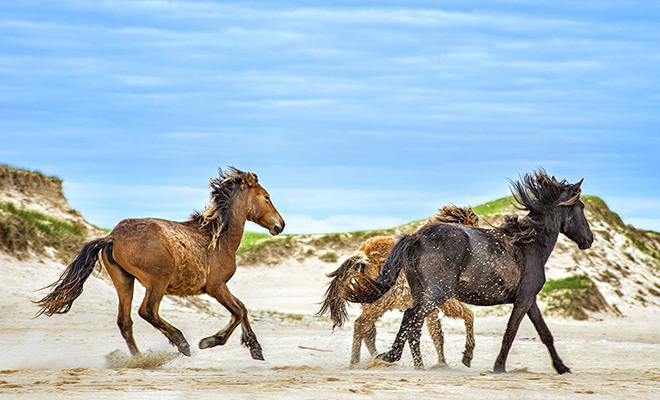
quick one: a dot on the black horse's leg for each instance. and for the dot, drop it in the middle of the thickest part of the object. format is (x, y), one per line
(546, 337)
(410, 330)
(394, 354)
(520, 308)
(414, 338)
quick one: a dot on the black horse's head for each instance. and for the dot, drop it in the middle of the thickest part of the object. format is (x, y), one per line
(574, 224)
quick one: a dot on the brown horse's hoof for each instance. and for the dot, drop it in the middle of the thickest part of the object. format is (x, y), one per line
(467, 360)
(185, 350)
(256, 353)
(209, 342)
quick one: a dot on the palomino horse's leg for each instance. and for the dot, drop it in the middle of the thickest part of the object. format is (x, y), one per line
(124, 283)
(546, 337)
(363, 324)
(468, 353)
(238, 315)
(520, 308)
(149, 311)
(370, 340)
(434, 326)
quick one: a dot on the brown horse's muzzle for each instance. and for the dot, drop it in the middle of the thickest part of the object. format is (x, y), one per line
(277, 227)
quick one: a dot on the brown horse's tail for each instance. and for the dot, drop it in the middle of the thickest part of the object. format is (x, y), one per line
(333, 302)
(362, 289)
(70, 284)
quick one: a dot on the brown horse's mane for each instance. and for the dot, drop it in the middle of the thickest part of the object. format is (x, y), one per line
(216, 217)
(535, 193)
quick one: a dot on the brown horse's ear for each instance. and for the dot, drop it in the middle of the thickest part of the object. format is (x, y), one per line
(251, 179)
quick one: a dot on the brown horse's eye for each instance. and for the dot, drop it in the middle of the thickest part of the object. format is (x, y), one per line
(267, 198)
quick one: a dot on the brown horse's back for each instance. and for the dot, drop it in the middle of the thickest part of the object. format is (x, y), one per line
(168, 251)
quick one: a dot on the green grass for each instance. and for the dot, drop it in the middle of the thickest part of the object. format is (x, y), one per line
(250, 238)
(50, 226)
(495, 207)
(573, 282)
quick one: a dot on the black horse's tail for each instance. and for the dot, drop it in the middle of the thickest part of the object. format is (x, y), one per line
(70, 284)
(333, 301)
(362, 289)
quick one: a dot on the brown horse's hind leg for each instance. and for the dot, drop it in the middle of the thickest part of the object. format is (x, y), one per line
(434, 326)
(124, 283)
(149, 312)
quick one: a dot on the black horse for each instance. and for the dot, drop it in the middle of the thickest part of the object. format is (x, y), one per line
(483, 267)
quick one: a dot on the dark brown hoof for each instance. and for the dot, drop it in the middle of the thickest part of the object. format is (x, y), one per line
(562, 369)
(499, 369)
(185, 350)
(467, 360)
(387, 357)
(209, 342)
(256, 353)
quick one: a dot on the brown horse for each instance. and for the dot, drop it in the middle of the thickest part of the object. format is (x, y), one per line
(370, 259)
(176, 258)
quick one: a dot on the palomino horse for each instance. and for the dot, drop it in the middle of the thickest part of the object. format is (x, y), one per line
(176, 258)
(483, 267)
(370, 259)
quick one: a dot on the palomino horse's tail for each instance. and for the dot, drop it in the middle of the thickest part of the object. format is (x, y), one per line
(362, 289)
(70, 284)
(333, 301)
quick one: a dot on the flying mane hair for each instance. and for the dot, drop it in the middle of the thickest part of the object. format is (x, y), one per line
(535, 193)
(216, 216)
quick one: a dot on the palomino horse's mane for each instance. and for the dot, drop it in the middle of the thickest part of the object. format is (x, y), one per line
(455, 215)
(535, 193)
(217, 215)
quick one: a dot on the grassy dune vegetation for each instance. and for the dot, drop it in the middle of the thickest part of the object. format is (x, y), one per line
(22, 231)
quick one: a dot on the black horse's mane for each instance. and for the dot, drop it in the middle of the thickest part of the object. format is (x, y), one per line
(535, 193)
(216, 217)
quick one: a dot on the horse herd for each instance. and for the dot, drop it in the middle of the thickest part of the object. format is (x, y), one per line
(447, 262)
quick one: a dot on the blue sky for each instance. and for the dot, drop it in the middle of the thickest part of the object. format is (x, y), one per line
(355, 115)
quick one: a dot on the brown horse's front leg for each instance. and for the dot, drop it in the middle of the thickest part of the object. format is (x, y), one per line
(238, 315)
(520, 308)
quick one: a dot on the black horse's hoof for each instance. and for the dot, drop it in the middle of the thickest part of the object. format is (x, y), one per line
(562, 369)
(499, 369)
(256, 353)
(387, 357)
(209, 342)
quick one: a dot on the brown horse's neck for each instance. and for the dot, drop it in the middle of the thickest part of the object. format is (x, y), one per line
(231, 240)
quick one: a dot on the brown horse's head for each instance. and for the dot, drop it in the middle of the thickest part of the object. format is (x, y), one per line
(260, 208)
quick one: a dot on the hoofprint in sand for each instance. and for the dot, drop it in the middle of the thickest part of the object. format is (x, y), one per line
(77, 354)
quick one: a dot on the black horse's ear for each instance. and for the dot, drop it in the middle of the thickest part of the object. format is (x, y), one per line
(576, 187)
